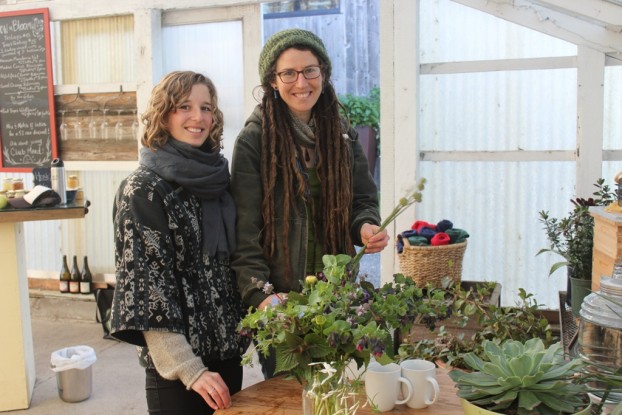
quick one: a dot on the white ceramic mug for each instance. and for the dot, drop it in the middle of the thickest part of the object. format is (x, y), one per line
(382, 386)
(422, 376)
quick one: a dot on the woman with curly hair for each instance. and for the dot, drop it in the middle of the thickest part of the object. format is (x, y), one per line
(175, 296)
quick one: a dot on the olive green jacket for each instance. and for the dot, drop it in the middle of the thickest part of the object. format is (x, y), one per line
(248, 260)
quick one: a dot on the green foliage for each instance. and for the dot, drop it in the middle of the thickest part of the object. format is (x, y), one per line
(362, 110)
(521, 322)
(336, 319)
(572, 237)
(522, 378)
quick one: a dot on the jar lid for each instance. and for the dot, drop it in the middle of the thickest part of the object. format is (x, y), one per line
(604, 308)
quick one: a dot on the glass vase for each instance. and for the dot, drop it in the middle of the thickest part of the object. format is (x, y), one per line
(330, 394)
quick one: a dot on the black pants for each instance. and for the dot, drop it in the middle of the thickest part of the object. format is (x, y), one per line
(170, 397)
(268, 363)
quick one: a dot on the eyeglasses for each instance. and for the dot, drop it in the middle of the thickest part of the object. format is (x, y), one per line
(290, 76)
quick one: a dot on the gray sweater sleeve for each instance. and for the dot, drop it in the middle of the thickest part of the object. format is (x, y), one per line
(173, 357)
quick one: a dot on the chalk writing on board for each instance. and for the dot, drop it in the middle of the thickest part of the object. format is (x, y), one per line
(26, 130)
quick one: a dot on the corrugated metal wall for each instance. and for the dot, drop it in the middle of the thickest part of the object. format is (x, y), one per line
(498, 202)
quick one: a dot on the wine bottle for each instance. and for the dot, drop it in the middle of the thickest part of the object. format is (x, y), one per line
(64, 277)
(76, 277)
(87, 278)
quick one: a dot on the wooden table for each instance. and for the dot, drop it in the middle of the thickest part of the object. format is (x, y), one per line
(17, 361)
(278, 396)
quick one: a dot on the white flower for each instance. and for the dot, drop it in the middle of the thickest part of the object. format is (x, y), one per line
(267, 288)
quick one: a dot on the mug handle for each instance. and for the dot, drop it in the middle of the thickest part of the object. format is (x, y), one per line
(410, 391)
(434, 384)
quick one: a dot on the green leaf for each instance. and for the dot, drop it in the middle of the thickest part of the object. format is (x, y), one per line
(522, 365)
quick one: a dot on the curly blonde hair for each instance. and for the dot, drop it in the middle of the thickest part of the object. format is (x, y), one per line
(172, 90)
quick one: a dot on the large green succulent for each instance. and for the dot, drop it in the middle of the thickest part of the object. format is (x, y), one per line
(522, 378)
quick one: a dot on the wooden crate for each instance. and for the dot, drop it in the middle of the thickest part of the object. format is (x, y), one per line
(607, 243)
(420, 331)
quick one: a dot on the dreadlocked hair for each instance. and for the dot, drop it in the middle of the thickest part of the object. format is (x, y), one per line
(279, 163)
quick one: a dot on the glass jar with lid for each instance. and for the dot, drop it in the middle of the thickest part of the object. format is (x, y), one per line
(7, 184)
(73, 182)
(18, 184)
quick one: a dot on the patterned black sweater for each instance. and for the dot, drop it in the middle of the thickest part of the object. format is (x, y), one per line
(163, 281)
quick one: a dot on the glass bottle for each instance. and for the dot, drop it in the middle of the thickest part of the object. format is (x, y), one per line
(76, 277)
(87, 278)
(64, 276)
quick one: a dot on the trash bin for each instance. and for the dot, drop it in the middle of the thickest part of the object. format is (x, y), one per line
(73, 372)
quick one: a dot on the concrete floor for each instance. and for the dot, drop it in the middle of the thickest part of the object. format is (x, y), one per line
(117, 379)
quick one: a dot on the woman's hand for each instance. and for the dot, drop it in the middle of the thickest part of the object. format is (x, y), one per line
(376, 242)
(213, 389)
(272, 300)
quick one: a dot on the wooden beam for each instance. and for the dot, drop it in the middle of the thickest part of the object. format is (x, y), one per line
(600, 12)
(530, 64)
(509, 156)
(590, 115)
(566, 27)
(399, 77)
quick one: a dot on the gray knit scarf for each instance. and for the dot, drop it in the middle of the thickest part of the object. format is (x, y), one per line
(304, 134)
(204, 174)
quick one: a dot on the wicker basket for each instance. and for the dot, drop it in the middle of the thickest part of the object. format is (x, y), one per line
(428, 264)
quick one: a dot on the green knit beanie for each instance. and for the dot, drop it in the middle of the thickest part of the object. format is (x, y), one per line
(285, 39)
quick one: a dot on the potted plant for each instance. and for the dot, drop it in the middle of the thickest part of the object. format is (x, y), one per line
(521, 378)
(364, 115)
(473, 320)
(572, 238)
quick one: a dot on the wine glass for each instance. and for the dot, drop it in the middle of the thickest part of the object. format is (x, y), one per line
(134, 124)
(77, 127)
(118, 127)
(92, 126)
(63, 126)
(104, 126)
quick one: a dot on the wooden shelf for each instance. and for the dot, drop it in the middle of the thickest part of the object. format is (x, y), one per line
(76, 210)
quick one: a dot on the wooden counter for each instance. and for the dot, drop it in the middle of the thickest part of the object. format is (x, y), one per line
(17, 362)
(278, 396)
(69, 211)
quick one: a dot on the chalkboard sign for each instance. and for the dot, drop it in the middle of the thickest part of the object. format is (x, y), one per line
(27, 125)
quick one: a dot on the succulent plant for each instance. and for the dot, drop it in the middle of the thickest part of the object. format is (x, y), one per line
(522, 378)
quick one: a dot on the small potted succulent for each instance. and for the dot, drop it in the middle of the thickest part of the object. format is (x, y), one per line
(522, 378)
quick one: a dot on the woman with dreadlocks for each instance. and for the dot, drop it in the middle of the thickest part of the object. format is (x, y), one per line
(299, 176)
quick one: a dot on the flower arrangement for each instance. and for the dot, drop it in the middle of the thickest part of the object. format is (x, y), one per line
(338, 319)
